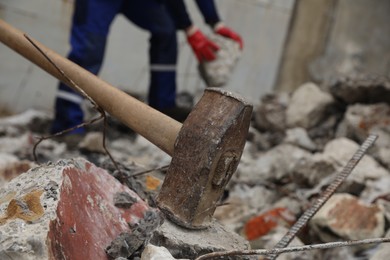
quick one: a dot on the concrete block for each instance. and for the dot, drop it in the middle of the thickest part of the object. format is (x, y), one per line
(64, 211)
(185, 243)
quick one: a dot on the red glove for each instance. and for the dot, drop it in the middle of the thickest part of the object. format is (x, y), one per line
(203, 48)
(221, 29)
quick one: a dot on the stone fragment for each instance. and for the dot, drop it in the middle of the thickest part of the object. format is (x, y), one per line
(17, 145)
(308, 106)
(152, 252)
(310, 171)
(128, 242)
(185, 243)
(344, 216)
(341, 150)
(361, 120)
(262, 224)
(11, 167)
(376, 189)
(217, 72)
(270, 115)
(93, 142)
(70, 209)
(30, 119)
(258, 140)
(273, 165)
(384, 205)
(233, 213)
(257, 197)
(243, 201)
(383, 156)
(292, 204)
(361, 89)
(298, 136)
(124, 200)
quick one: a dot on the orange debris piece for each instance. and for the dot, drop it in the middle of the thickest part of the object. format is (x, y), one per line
(264, 223)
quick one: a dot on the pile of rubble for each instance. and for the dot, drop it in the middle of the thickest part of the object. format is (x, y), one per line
(296, 145)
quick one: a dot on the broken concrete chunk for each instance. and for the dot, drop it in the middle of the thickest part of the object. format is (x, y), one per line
(341, 150)
(270, 115)
(93, 142)
(275, 164)
(298, 136)
(345, 216)
(64, 211)
(152, 252)
(216, 73)
(309, 171)
(11, 167)
(29, 119)
(22, 144)
(185, 243)
(307, 106)
(362, 89)
(361, 120)
(124, 246)
(124, 200)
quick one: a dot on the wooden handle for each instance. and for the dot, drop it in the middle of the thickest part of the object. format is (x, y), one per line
(158, 128)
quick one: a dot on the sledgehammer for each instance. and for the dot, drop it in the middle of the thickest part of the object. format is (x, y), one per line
(205, 149)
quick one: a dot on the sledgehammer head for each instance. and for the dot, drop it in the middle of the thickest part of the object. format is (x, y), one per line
(206, 154)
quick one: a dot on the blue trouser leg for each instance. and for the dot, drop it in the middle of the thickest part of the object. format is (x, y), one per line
(151, 15)
(91, 22)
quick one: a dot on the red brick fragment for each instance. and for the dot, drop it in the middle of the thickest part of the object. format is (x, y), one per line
(87, 219)
(263, 224)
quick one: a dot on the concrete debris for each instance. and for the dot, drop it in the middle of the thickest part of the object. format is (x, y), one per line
(217, 73)
(185, 243)
(92, 142)
(298, 136)
(271, 113)
(11, 167)
(309, 171)
(345, 216)
(29, 120)
(22, 144)
(274, 165)
(296, 144)
(127, 243)
(152, 252)
(124, 200)
(51, 211)
(308, 106)
(361, 89)
(360, 119)
(340, 150)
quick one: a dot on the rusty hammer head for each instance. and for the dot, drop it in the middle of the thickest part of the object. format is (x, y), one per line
(207, 152)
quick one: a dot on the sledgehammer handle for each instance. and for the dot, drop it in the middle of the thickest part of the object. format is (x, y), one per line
(158, 128)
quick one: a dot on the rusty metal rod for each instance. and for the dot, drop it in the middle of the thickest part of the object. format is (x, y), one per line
(219, 255)
(158, 128)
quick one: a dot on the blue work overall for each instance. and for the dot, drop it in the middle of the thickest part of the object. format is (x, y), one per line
(90, 28)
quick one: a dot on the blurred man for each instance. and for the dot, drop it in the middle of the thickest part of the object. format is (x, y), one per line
(90, 28)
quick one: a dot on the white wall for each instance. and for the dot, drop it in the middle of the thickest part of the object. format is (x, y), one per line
(262, 24)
